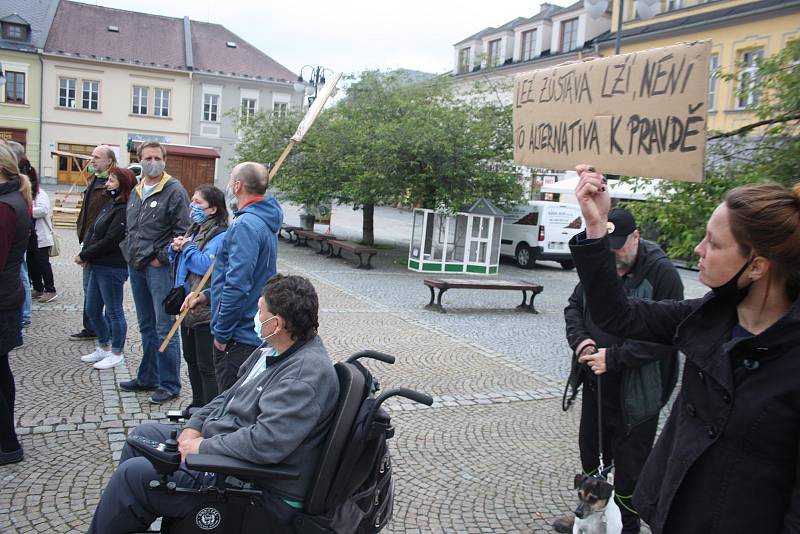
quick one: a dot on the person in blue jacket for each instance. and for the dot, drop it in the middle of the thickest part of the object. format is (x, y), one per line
(191, 256)
(245, 261)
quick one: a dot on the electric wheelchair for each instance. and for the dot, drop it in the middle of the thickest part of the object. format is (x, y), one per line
(352, 490)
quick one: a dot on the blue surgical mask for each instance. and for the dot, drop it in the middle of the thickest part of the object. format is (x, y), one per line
(198, 213)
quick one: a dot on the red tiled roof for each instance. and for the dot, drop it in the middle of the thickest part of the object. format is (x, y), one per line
(211, 53)
(143, 39)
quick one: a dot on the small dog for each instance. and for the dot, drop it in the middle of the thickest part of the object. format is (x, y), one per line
(597, 513)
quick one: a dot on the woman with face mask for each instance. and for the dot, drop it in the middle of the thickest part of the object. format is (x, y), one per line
(108, 272)
(191, 256)
(728, 459)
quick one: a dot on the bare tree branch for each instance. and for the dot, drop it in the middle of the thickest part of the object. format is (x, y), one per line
(757, 124)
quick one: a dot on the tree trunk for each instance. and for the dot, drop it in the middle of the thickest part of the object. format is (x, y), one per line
(368, 228)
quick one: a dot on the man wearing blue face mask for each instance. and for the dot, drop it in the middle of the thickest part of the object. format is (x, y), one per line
(158, 212)
(246, 260)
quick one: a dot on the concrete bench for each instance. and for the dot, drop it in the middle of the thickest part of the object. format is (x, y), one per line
(335, 251)
(443, 285)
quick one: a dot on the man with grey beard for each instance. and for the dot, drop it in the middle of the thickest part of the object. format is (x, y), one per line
(637, 377)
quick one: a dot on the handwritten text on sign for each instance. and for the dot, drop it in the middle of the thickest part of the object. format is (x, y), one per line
(639, 114)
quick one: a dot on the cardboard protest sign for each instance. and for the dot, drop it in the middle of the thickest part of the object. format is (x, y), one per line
(638, 114)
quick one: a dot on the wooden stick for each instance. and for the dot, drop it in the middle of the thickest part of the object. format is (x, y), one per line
(278, 163)
(179, 318)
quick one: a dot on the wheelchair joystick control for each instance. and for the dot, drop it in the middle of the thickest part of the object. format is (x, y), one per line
(165, 457)
(171, 445)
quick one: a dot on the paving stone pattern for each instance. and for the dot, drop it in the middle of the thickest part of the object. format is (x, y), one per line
(495, 453)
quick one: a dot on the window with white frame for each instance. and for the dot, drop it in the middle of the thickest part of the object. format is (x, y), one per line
(248, 108)
(747, 93)
(494, 53)
(90, 95)
(66, 92)
(15, 87)
(211, 107)
(140, 95)
(569, 35)
(528, 45)
(161, 102)
(280, 108)
(713, 81)
(672, 5)
(463, 60)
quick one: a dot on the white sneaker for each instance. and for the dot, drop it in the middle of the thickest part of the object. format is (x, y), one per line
(96, 356)
(112, 360)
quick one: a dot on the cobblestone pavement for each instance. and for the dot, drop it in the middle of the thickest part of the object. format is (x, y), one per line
(494, 454)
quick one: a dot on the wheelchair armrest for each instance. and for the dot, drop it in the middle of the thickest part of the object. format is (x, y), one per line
(217, 463)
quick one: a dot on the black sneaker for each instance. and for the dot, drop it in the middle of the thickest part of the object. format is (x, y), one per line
(160, 396)
(11, 457)
(134, 385)
(564, 524)
(83, 335)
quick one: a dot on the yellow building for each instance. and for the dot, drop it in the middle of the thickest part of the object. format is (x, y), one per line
(740, 31)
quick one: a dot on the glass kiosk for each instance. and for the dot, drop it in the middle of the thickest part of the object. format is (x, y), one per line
(467, 242)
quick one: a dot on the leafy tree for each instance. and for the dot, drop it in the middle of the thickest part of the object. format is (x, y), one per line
(735, 158)
(392, 139)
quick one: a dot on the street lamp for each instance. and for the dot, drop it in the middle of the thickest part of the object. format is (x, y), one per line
(315, 80)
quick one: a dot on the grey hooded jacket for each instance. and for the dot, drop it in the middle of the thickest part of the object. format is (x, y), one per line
(281, 417)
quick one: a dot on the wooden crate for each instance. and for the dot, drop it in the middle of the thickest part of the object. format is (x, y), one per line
(66, 208)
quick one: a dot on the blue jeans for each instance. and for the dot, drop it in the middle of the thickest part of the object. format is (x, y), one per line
(26, 283)
(87, 323)
(105, 289)
(150, 287)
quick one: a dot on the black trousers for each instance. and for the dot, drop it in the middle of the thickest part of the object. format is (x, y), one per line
(627, 451)
(227, 362)
(129, 505)
(39, 268)
(198, 351)
(10, 338)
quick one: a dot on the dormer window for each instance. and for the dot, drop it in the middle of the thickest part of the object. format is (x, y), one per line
(463, 60)
(15, 32)
(494, 54)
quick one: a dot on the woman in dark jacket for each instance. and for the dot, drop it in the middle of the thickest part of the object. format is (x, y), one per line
(191, 256)
(728, 459)
(15, 227)
(108, 272)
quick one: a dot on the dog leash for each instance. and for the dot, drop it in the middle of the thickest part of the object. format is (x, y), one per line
(601, 468)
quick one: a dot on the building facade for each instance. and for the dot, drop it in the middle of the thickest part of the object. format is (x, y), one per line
(103, 83)
(24, 25)
(232, 80)
(741, 32)
(492, 57)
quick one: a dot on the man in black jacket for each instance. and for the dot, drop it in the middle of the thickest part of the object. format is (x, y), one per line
(637, 378)
(94, 199)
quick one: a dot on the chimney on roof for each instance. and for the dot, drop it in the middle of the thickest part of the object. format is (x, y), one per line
(187, 42)
(545, 6)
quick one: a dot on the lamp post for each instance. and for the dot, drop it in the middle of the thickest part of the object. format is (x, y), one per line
(315, 80)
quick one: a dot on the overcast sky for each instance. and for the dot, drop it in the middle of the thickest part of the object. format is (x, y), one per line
(350, 35)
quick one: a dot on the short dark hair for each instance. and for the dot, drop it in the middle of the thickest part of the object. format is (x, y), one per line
(216, 199)
(295, 299)
(126, 179)
(151, 144)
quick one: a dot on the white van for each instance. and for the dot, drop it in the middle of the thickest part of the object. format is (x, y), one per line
(540, 230)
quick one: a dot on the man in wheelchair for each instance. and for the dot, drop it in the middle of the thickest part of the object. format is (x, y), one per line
(277, 413)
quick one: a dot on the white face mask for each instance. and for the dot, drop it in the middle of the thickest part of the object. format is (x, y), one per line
(259, 325)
